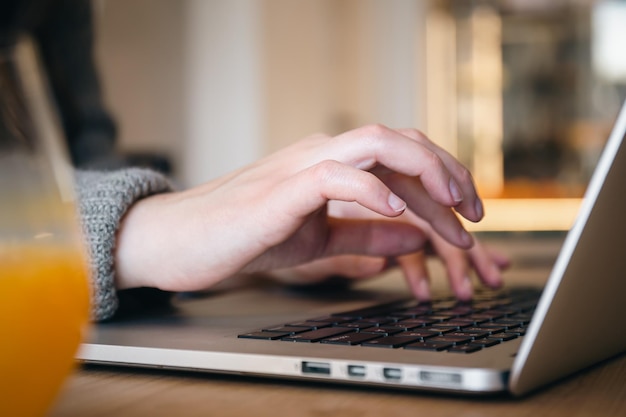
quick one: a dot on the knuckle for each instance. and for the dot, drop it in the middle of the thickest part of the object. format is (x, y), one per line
(374, 136)
(415, 134)
(464, 175)
(369, 185)
(412, 132)
(434, 162)
(375, 130)
(324, 170)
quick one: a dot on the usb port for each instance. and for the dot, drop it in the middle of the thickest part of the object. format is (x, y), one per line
(317, 368)
(357, 371)
(392, 373)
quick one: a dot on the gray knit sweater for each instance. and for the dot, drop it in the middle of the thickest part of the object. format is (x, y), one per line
(103, 198)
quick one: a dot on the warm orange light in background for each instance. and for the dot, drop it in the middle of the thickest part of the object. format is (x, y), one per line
(521, 214)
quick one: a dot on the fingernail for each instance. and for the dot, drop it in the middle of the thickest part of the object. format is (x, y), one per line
(455, 191)
(424, 290)
(480, 212)
(396, 203)
(466, 288)
(496, 281)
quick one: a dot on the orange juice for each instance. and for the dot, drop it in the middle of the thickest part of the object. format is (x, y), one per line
(44, 308)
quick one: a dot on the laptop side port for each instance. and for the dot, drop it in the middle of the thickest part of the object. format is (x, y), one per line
(357, 371)
(392, 374)
(315, 368)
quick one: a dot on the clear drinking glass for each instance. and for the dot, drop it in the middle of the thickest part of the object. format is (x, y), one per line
(44, 295)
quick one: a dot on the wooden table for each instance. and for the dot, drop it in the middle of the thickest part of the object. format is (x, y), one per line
(103, 391)
(106, 391)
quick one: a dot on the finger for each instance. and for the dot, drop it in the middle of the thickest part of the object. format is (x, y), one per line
(458, 271)
(440, 218)
(312, 188)
(457, 266)
(416, 274)
(488, 265)
(460, 264)
(368, 147)
(502, 260)
(300, 202)
(459, 172)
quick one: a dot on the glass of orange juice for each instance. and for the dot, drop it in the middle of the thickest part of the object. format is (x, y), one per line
(44, 295)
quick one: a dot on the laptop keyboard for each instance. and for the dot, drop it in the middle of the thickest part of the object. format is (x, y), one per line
(443, 324)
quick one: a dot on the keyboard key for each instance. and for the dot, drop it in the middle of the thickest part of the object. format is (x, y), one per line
(263, 335)
(492, 327)
(332, 319)
(487, 342)
(522, 317)
(391, 341)
(441, 330)
(483, 318)
(316, 335)
(509, 323)
(402, 326)
(383, 331)
(455, 340)
(420, 333)
(309, 324)
(504, 337)
(494, 314)
(427, 345)
(287, 329)
(469, 348)
(355, 325)
(417, 322)
(456, 323)
(452, 325)
(472, 335)
(444, 305)
(377, 321)
(487, 330)
(439, 317)
(520, 331)
(350, 338)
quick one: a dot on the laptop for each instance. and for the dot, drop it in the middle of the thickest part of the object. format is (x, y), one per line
(514, 341)
(505, 341)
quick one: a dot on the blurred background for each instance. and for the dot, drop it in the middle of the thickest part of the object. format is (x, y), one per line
(524, 92)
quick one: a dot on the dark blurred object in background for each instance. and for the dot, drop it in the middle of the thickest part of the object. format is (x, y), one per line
(63, 32)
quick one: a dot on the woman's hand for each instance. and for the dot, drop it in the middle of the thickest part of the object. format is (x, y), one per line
(274, 213)
(460, 264)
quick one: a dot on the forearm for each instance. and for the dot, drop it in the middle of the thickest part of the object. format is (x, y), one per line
(103, 200)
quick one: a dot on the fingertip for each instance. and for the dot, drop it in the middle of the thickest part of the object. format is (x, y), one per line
(465, 291)
(396, 203)
(422, 290)
(495, 278)
(502, 261)
(479, 209)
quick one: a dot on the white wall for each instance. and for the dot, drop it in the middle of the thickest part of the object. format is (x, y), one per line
(334, 65)
(217, 83)
(224, 112)
(140, 57)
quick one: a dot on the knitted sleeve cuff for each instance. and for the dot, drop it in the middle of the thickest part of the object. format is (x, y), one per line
(103, 199)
